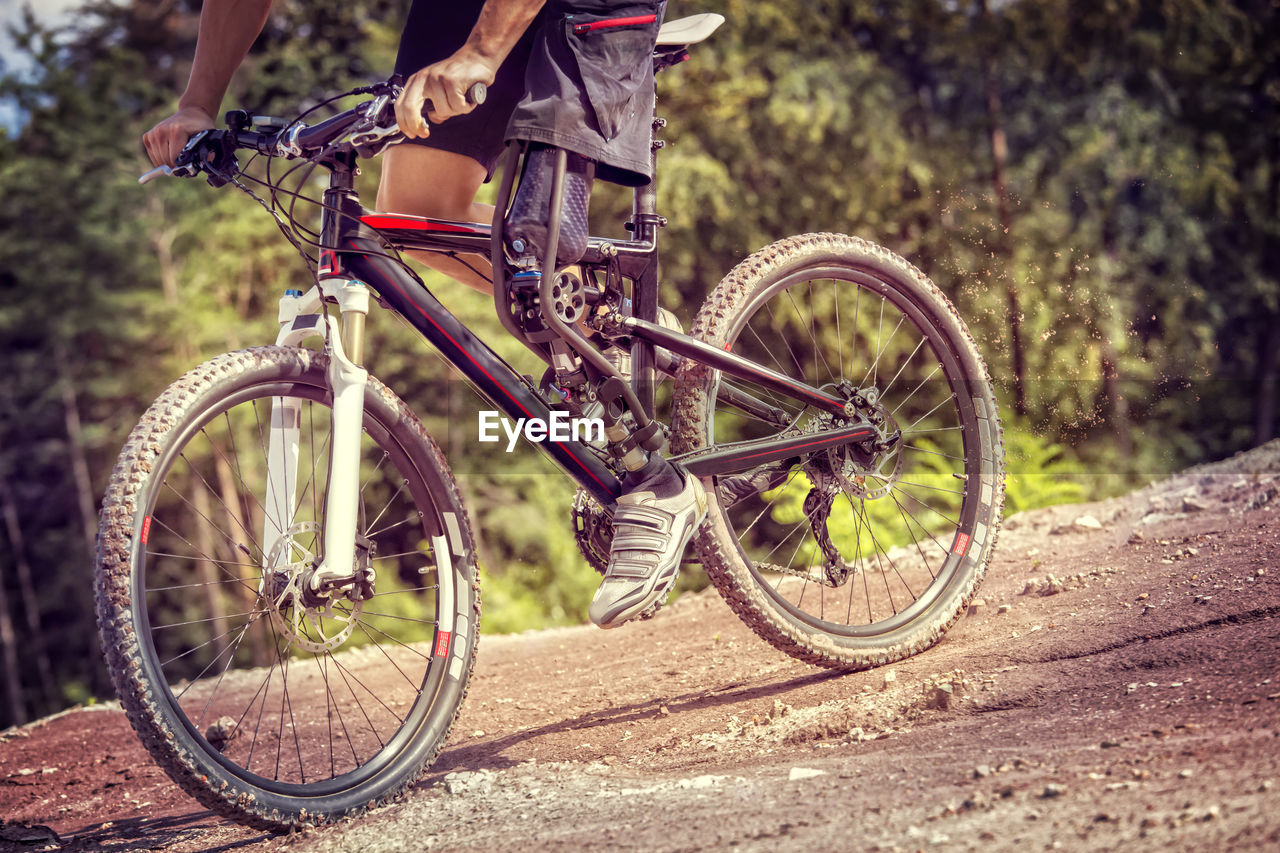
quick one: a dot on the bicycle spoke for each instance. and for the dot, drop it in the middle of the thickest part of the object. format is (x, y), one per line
(214, 692)
(390, 501)
(401, 618)
(407, 589)
(233, 515)
(421, 551)
(373, 534)
(932, 509)
(200, 552)
(213, 662)
(286, 723)
(907, 526)
(780, 332)
(885, 391)
(310, 486)
(931, 488)
(202, 621)
(232, 579)
(941, 403)
(342, 671)
(890, 524)
(934, 452)
(923, 382)
(373, 693)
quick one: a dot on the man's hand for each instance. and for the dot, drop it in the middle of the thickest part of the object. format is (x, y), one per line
(445, 85)
(165, 141)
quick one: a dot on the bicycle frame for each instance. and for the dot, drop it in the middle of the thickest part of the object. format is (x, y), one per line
(353, 258)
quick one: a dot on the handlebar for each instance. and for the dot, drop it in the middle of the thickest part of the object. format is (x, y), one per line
(371, 124)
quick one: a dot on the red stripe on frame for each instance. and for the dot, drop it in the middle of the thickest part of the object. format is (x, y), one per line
(614, 22)
(417, 223)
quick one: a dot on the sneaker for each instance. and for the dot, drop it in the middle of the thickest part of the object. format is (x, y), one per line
(649, 538)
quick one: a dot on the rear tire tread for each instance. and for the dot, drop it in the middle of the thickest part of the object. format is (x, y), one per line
(715, 548)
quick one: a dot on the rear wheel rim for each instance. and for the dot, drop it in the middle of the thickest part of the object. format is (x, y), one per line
(805, 324)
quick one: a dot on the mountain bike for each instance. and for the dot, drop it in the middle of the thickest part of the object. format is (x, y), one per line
(286, 583)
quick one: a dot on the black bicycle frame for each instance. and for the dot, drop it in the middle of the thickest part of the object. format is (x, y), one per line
(354, 239)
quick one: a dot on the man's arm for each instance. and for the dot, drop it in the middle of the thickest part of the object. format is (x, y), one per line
(227, 31)
(445, 83)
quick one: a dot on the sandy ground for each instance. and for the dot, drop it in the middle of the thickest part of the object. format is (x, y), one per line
(1117, 686)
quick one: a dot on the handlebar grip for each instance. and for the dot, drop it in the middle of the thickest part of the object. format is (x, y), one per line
(475, 95)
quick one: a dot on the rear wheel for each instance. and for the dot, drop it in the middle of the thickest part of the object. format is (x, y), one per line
(856, 556)
(266, 704)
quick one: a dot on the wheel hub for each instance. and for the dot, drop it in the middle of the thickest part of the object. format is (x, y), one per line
(311, 624)
(865, 470)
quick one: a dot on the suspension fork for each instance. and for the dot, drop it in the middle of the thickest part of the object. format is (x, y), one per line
(347, 379)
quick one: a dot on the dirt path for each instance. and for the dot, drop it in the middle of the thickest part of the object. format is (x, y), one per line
(1119, 686)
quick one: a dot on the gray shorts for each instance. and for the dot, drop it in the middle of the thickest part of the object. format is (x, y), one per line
(432, 32)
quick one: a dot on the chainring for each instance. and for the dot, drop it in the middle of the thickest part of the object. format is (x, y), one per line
(592, 530)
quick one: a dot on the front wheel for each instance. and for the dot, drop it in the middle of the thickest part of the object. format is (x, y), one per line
(861, 555)
(266, 704)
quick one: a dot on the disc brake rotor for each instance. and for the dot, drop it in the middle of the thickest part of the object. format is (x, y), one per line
(313, 629)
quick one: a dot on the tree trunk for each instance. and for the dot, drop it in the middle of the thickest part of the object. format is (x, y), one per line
(1004, 215)
(1264, 413)
(162, 241)
(9, 656)
(26, 588)
(86, 500)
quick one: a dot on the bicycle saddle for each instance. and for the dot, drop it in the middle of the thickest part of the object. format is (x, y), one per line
(690, 30)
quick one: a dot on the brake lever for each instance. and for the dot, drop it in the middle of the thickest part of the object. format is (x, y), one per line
(150, 175)
(377, 127)
(185, 168)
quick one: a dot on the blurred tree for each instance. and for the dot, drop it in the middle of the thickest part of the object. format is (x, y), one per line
(1132, 210)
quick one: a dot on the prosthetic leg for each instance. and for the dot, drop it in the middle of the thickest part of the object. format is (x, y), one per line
(662, 505)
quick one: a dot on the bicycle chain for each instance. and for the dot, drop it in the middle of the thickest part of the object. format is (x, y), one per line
(592, 530)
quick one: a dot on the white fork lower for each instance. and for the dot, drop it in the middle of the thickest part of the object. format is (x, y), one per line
(347, 380)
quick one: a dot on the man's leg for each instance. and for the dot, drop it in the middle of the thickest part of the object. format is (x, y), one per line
(422, 181)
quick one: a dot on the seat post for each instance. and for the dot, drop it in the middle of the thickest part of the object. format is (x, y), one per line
(645, 223)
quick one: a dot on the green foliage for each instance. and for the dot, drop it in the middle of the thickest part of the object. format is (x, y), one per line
(1139, 234)
(1040, 473)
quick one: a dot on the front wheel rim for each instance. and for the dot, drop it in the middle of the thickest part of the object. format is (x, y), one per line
(365, 762)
